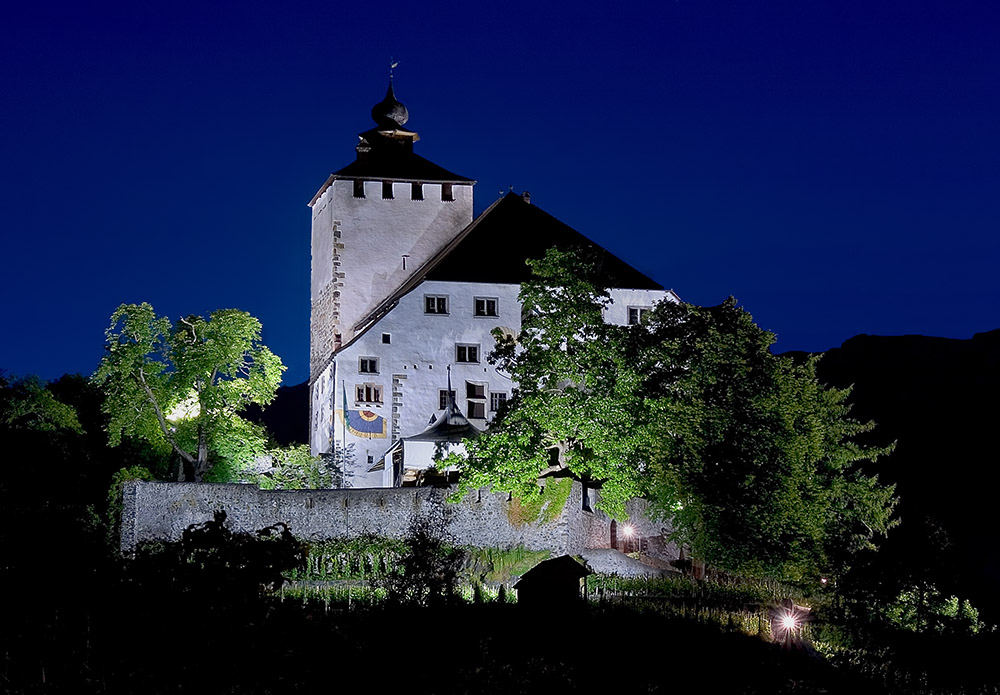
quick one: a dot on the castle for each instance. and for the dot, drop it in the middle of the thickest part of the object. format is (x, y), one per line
(406, 289)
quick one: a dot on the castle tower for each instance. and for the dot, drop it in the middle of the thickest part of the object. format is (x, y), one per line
(374, 222)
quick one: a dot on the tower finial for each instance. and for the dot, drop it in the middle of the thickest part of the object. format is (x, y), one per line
(392, 66)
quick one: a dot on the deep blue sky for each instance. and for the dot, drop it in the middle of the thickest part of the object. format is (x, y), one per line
(834, 165)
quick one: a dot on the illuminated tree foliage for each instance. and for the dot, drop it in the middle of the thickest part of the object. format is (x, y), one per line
(182, 386)
(572, 410)
(751, 459)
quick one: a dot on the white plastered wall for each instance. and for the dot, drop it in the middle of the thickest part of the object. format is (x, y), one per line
(413, 366)
(375, 234)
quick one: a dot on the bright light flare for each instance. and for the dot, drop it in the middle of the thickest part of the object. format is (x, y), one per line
(789, 622)
(629, 530)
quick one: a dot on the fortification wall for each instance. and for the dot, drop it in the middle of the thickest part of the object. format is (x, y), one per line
(155, 511)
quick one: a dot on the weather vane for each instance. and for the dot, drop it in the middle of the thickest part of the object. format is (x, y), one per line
(392, 66)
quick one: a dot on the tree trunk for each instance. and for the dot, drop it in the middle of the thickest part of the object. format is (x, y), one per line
(201, 463)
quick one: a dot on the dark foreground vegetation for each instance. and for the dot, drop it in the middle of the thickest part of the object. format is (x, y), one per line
(216, 614)
(207, 615)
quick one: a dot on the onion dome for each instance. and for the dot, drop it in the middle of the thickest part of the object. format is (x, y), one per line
(390, 113)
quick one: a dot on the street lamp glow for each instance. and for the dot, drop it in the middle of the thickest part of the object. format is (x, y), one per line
(789, 622)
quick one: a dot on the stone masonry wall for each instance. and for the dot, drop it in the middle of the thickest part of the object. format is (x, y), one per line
(161, 511)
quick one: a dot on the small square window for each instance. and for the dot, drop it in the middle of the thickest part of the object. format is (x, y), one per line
(467, 353)
(386, 338)
(359, 188)
(443, 398)
(486, 306)
(368, 393)
(474, 390)
(497, 400)
(477, 409)
(387, 190)
(435, 304)
(416, 191)
(368, 365)
(447, 194)
(637, 315)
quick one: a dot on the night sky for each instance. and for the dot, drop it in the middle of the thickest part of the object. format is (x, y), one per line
(834, 165)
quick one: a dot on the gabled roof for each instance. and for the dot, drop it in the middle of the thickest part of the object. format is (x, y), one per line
(513, 230)
(495, 247)
(553, 570)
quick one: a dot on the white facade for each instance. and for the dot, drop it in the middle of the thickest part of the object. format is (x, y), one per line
(383, 337)
(412, 369)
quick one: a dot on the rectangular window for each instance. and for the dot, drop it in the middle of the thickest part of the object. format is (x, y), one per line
(486, 306)
(477, 409)
(467, 353)
(637, 315)
(435, 304)
(443, 398)
(387, 190)
(474, 390)
(368, 365)
(497, 400)
(368, 393)
(386, 338)
(416, 191)
(359, 188)
(447, 194)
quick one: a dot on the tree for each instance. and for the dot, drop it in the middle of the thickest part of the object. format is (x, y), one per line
(27, 404)
(182, 386)
(572, 410)
(744, 452)
(751, 458)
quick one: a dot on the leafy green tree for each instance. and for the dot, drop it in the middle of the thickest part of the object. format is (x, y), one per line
(573, 407)
(26, 404)
(181, 386)
(291, 468)
(751, 459)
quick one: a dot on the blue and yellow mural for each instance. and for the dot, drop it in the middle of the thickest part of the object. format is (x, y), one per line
(365, 423)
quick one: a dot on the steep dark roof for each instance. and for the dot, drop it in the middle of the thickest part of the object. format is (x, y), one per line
(396, 162)
(495, 247)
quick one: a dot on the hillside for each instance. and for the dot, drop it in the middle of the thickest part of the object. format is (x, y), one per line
(937, 398)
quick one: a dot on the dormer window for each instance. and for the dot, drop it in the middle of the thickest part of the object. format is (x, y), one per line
(638, 314)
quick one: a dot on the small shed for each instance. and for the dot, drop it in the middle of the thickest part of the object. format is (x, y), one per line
(558, 581)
